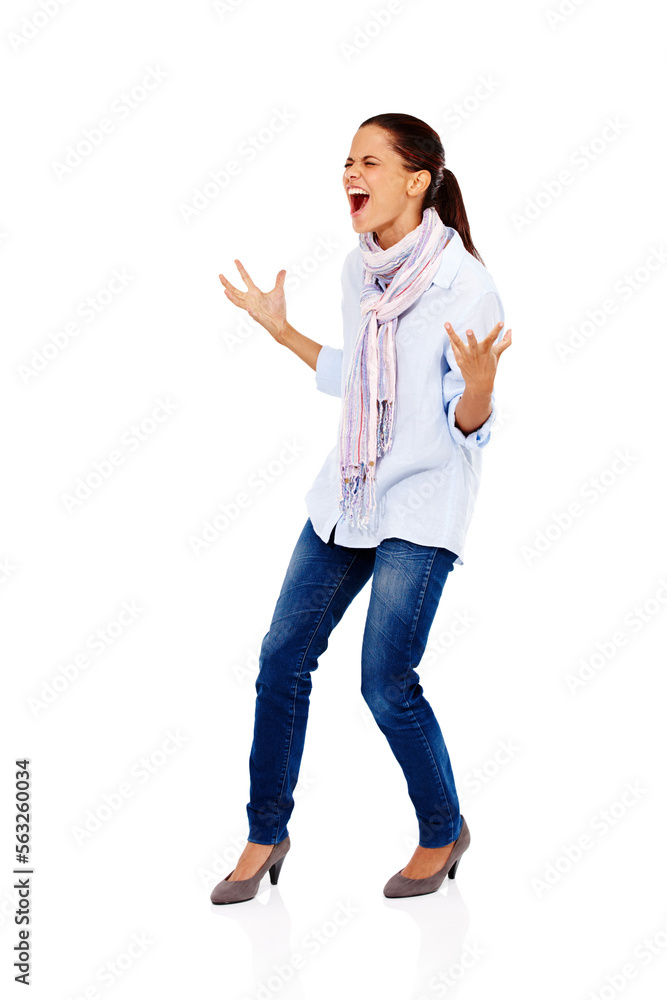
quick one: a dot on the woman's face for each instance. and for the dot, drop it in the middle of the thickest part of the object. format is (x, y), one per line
(392, 206)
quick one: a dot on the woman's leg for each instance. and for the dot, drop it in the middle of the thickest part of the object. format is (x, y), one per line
(321, 581)
(408, 580)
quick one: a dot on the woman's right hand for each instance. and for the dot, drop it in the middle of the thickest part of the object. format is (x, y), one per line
(267, 308)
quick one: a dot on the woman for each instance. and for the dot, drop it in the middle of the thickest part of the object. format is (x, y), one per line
(394, 497)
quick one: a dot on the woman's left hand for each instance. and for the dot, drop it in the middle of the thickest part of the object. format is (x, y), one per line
(478, 359)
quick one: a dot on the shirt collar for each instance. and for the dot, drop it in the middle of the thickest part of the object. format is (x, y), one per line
(451, 259)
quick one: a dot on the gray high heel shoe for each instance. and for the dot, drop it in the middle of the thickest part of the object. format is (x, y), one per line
(400, 885)
(246, 888)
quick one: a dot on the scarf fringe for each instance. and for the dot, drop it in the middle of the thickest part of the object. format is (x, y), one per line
(357, 498)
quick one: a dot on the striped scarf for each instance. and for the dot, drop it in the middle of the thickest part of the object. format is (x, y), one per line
(393, 280)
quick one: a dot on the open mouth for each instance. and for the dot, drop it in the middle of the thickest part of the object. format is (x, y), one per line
(359, 202)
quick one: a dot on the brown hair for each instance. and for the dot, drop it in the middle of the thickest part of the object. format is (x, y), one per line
(420, 148)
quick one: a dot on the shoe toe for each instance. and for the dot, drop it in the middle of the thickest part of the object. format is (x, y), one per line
(396, 885)
(230, 892)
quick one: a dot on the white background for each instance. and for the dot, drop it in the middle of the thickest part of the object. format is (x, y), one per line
(534, 96)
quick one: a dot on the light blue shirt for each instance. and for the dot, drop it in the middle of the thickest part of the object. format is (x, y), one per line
(427, 484)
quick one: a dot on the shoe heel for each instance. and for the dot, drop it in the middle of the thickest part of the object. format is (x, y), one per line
(452, 871)
(274, 871)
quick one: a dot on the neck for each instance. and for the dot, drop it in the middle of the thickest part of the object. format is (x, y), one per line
(393, 232)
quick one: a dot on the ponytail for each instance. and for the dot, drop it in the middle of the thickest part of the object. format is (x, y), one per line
(448, 203)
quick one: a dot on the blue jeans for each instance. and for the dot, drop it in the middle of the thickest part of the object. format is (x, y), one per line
(322, 579)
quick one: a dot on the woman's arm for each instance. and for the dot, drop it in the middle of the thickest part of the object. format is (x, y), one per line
(478, 362)
(468, 387)
(303, 347)
(473, 409)
(268, 309)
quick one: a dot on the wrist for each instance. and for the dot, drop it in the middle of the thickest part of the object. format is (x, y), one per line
(479, 391)
(282, 337)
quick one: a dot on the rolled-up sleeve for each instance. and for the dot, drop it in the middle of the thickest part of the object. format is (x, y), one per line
(481, 318)
(329, 370)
